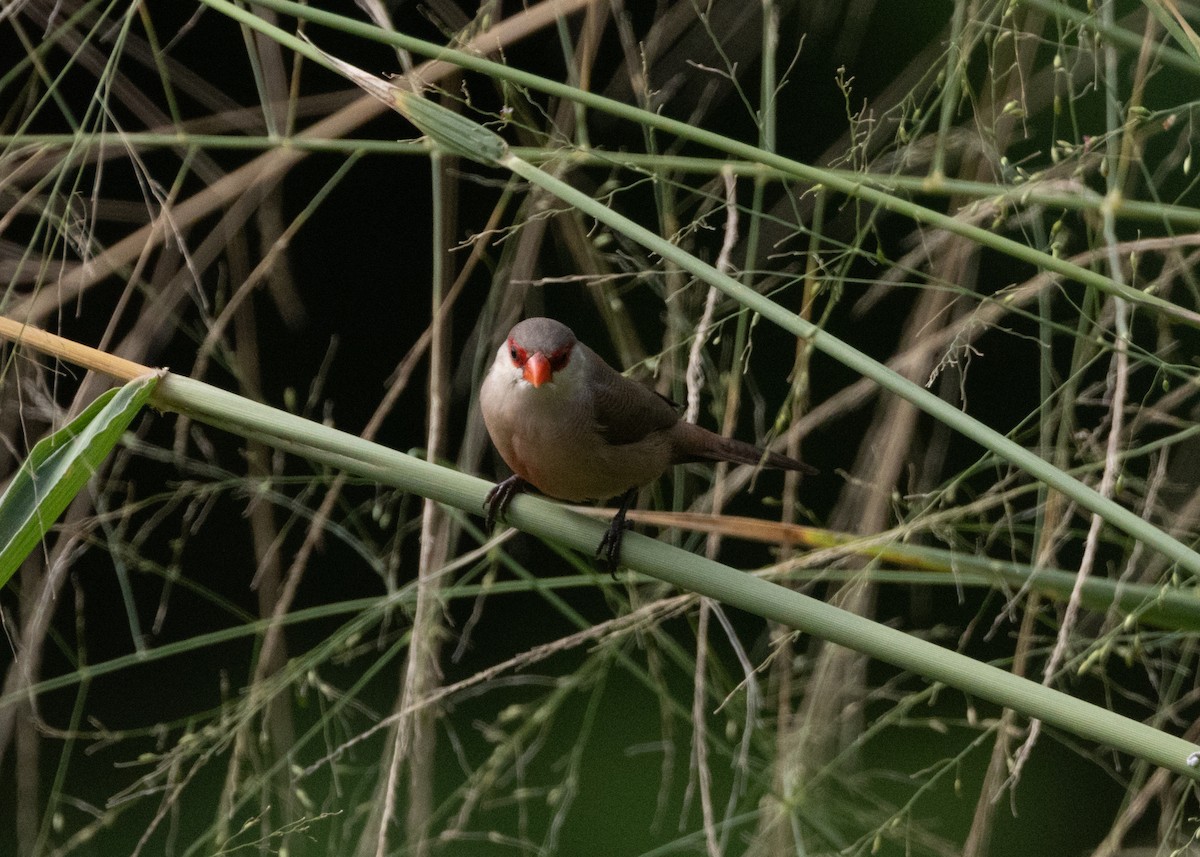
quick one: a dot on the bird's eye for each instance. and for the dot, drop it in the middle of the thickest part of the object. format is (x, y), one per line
(517, 353)
(559, 358)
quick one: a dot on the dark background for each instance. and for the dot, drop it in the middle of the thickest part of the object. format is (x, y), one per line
(361, 267)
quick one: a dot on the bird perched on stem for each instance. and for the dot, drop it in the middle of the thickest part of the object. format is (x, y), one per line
(576, 429)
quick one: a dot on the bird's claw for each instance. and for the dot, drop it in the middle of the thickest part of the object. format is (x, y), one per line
(609, 550)
(495, 504)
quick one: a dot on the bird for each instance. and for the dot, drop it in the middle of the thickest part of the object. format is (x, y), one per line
(576, 429)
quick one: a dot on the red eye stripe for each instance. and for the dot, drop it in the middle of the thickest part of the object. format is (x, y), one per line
(517, 353)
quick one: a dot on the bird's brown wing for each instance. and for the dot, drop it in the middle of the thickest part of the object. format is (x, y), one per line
(626, 411)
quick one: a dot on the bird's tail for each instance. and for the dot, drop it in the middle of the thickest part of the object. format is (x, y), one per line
(704, 445)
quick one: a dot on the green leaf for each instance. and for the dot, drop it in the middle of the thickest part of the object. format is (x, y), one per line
(58, 468)
(1172, 20)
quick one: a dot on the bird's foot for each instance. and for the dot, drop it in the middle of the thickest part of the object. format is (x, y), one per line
(609, 550)
(495, 504)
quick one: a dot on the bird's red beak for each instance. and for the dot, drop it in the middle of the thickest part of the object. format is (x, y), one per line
(537, 369)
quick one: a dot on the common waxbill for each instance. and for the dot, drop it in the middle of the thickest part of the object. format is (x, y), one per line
(576, 429)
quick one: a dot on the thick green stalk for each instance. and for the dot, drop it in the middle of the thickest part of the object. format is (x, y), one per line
(555, 523)
(691, 572)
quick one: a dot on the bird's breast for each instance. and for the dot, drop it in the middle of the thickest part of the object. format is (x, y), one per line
(549, 438)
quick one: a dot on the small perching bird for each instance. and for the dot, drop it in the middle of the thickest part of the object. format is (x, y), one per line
(576, 429)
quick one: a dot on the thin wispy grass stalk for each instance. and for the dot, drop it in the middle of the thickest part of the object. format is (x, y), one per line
(850, 186)
(1117, 35)
(1027, 191)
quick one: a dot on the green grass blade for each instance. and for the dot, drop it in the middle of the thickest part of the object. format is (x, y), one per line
(59, 466)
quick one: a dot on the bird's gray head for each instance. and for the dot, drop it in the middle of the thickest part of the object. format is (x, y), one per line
(539, 348)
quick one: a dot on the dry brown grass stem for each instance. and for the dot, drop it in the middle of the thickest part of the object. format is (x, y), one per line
(264, 172)
(71, 351)
(701, 777)
(694, 376)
